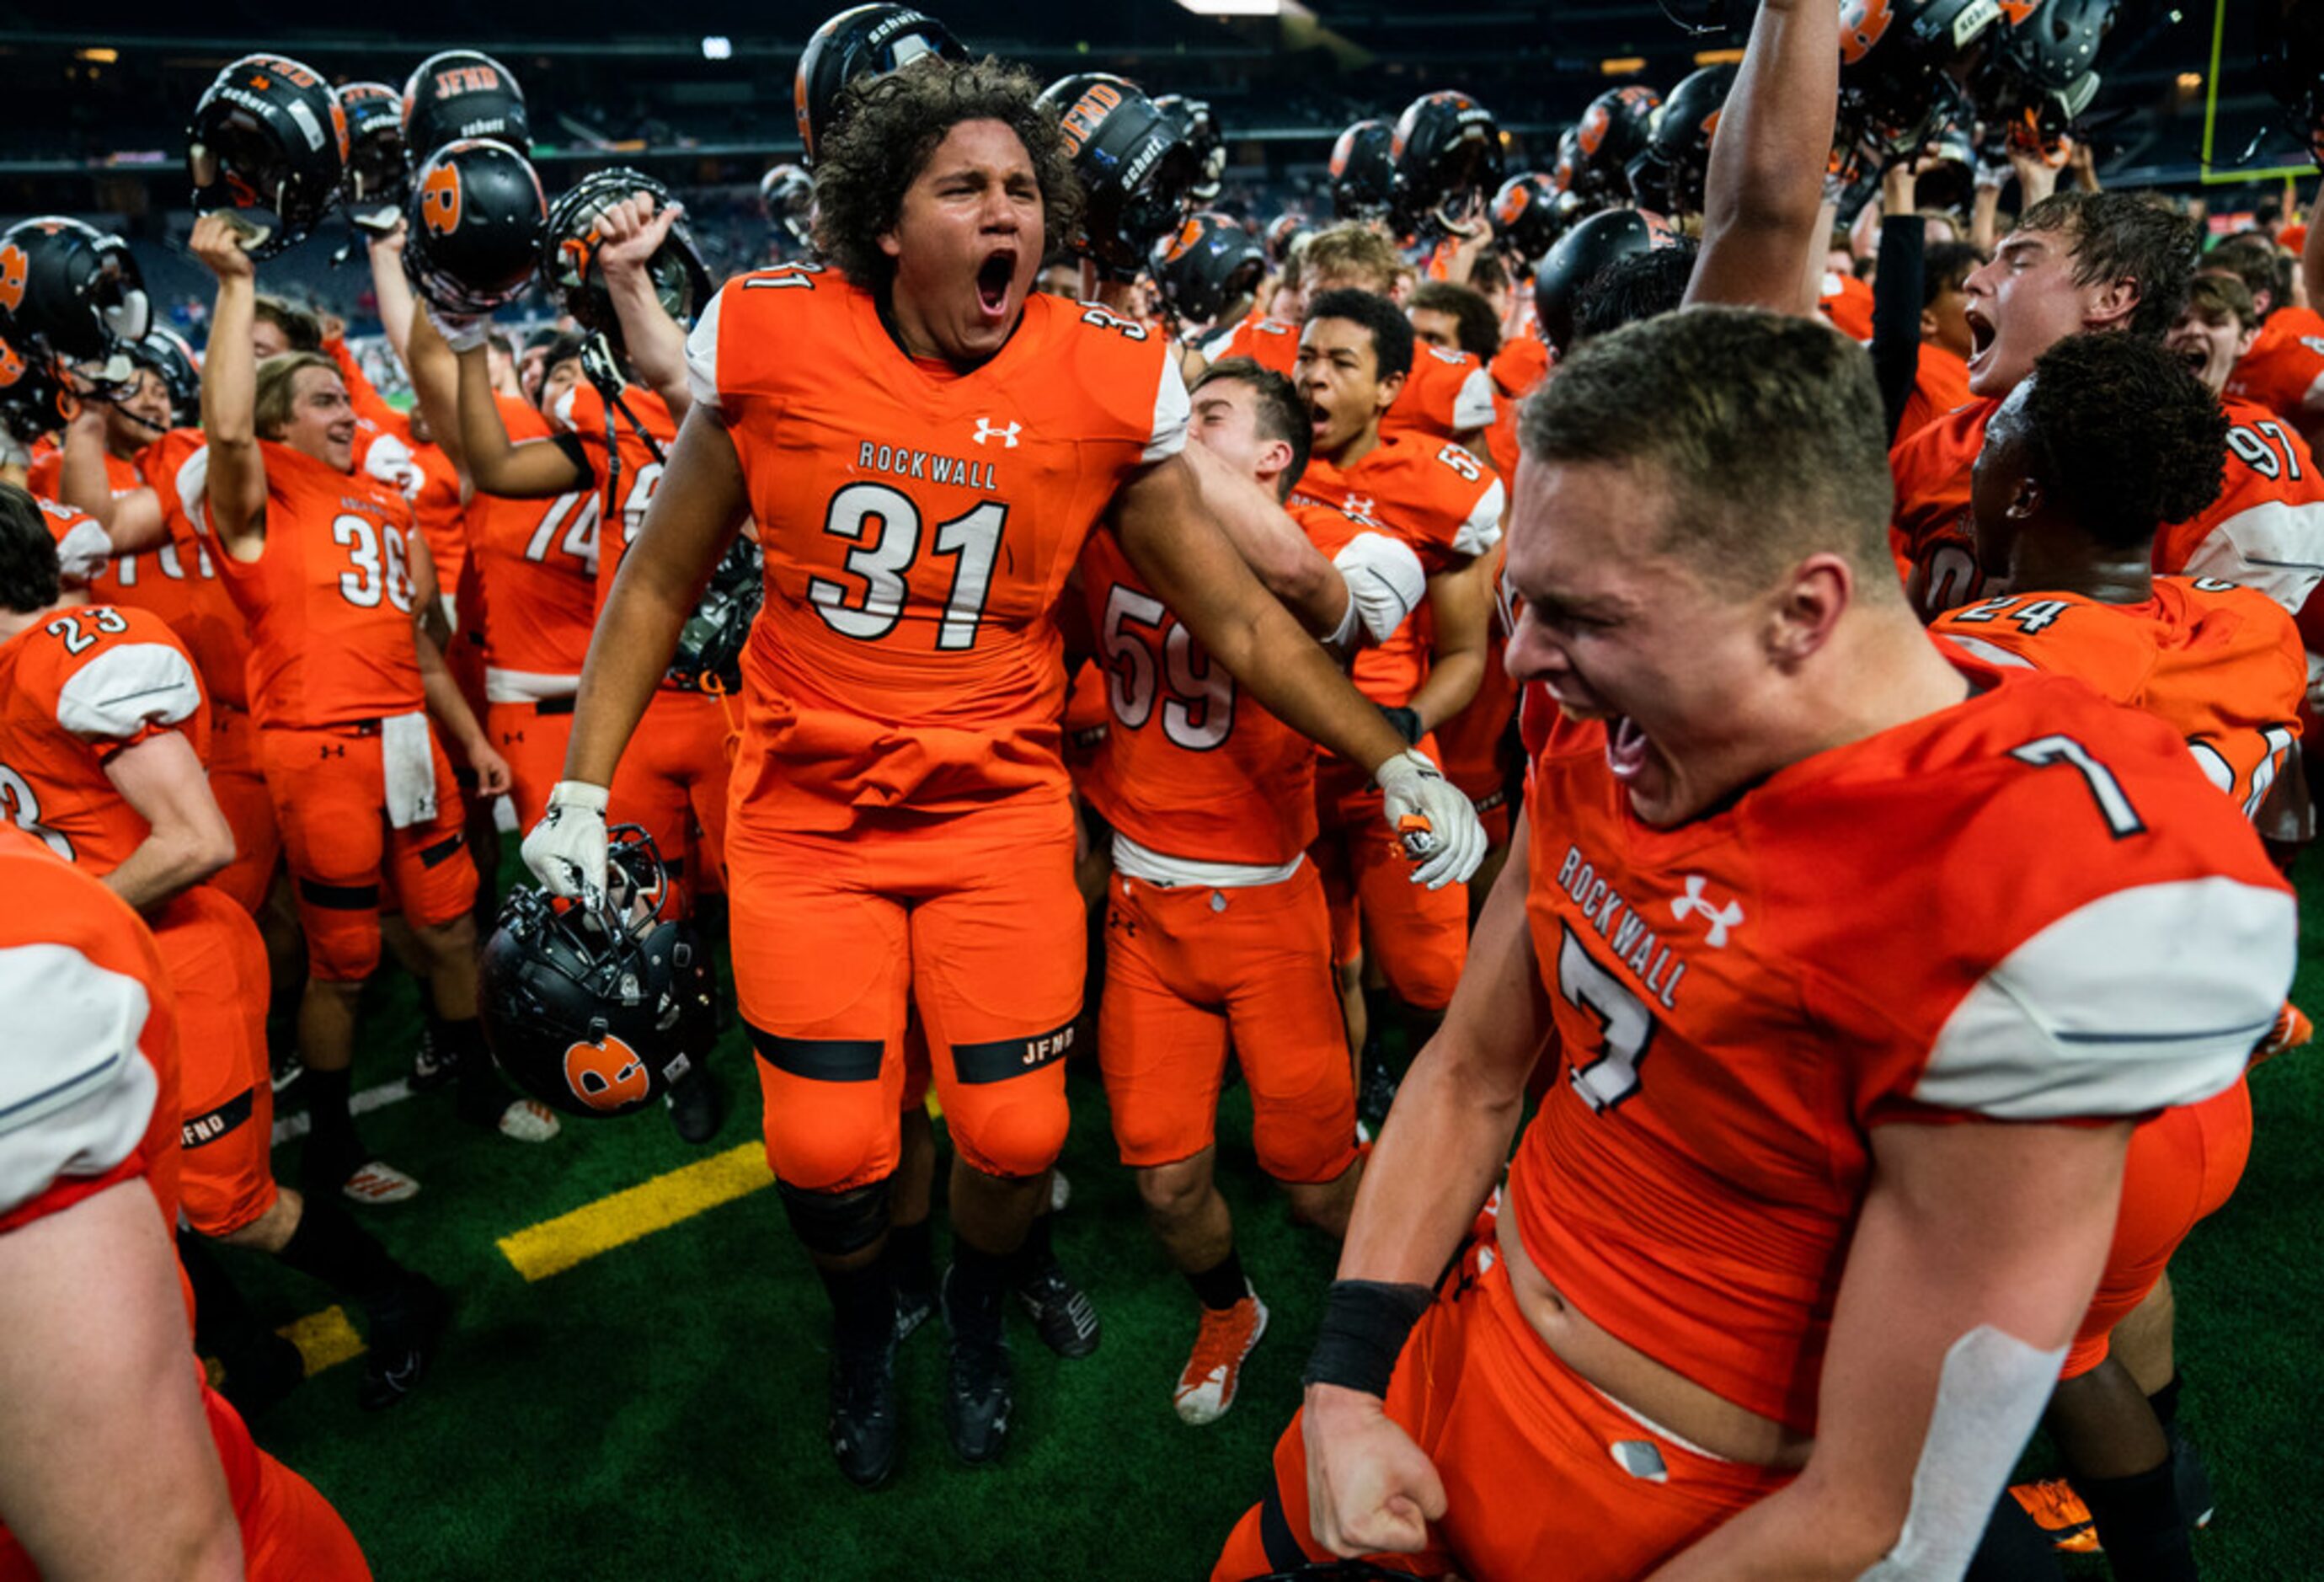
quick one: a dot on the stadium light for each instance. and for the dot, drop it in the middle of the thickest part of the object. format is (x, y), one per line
(1719, 56)
(102, 54)
(1244, 7)
(1622, 66)
(717, 47)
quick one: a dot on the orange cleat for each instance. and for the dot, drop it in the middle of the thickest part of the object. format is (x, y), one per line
(2058, 1511)
(1207, 1388)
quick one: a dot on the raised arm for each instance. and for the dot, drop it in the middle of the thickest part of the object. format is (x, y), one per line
(534, 469)
(1283, 557)
(657, 346)
(235, 484)
(1766, 185)
(133, 521)
(392, 288)
(1955, 1311)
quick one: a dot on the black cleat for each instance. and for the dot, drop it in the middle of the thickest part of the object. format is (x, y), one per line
(865, 1426)
(406, 1328)
(1377, 1094)
(976, 1390)
(2192, 1482)
(1061, 1312)
(914, 1306)
(432, 1069)
(696, 1107)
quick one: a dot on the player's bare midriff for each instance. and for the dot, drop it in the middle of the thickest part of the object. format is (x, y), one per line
(1631, 1378)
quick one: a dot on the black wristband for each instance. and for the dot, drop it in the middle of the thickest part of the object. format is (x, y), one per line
(1364, 1327)
(1406, 722)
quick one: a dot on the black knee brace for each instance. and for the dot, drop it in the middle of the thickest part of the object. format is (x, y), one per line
(835, 1224)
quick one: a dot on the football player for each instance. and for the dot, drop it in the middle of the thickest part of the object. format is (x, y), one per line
(115, 1459)
(2282, 369)
(2101, 262)
(2107, 440)
(925, 447)
(1216, 928)
(1355, 352)
(102, 728)
(343, 682)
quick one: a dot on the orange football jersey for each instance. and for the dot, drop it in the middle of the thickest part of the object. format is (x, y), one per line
(179, 581)
(1447, 394)
(329, 599)
(1271, 343)
(1939, 384)
(2284, 369)
(441, 518)
(2068, 922)
(537, 560)
(581, 413)
(1847, 301)
(1436, 496)
(2265, 531)
(76, 689)
(918, 525)
(91, 1015)
(1521, 364)
(2221, 665)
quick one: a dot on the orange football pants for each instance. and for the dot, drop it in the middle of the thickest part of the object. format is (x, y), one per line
(1543, 1477)
(239, 783)
(532, 737)
(1419, 936)
(2183, 1165)
(673, 777)
(974, 920)
(217, 963)
(1186, 967)
(329, 788)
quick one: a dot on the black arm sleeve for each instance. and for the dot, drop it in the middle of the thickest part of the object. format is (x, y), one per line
(1897, 290)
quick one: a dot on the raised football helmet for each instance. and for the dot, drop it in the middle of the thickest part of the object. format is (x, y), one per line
(269, 143)
(1136, 171)
(457, 94)
(1615, 129)
(1363, 175)
(1209, 268)
(595, 1010)
(709, 654)
(473, 238)
(1526, 219)
(569, 242)
(1199, 129)
(1668, 174)
(73, 302)
(378, 176)
(1588, 249)
(1894, 61)
(1446, 154)
(2038, 70)
(864, 41)
(33, 402)
(789, 193)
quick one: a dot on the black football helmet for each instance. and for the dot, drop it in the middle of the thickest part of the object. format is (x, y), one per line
(472, 238)
(1895, 58)
(71, 300)
(1668, 174)
(595, 1010)
(268, 142)
(1284, 235)
(378, 177)
(1137, 173)
(1199, 130)
(32, 400)
(2037, 73)
(1526, 217)
(709, 655)
(1613, 132)
(1363, 173)
(457, 94)
(1587, 250)
(568, 254)
(1209, 267)
(864, 41)
(789, 194)
(2290, 36)
(171, 357)
(1445, 153)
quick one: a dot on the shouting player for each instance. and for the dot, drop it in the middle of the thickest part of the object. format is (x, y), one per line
(925, 446)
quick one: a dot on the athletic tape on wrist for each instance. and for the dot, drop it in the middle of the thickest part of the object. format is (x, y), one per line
(1365, 1325)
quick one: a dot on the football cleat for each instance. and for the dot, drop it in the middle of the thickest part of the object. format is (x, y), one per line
(2059, 1511)
(976, 1392)
(528, 1120)
(914, 1306)
(377, 1182)
(1213, 1373)
(696, 1107)
(406, 1328)
(865, 1426)
(1061, 1312)
(2291, 1031)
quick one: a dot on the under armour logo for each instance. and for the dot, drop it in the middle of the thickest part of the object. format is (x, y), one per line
(987, 430)
(333, 749)
(1361, 506)
(1718, 919)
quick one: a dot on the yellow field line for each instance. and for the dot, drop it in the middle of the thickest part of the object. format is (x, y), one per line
(555, 1246)
(324, 1339)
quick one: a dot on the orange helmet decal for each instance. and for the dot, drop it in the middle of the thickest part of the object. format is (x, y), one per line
(1188, 235)
(1080, 122)
(12, 366)
(1862, 24)
(609, 1076)
(440, 199)
(1592, 130)
(13, 268)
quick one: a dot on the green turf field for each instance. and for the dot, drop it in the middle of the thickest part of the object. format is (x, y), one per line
(656, 1412)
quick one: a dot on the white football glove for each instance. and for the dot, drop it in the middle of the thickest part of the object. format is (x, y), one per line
(463, 332)
(567, 850)
(1437, 824)
(1385, 581)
